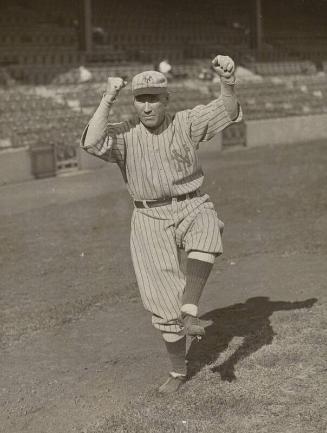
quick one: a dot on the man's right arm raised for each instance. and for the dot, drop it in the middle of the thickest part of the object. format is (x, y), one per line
(101, 138)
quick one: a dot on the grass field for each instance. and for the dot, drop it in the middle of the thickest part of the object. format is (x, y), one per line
(277, 387)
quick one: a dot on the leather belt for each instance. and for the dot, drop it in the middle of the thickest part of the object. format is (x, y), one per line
(143, 204)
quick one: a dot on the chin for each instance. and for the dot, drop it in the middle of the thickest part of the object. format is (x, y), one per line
(151, 124)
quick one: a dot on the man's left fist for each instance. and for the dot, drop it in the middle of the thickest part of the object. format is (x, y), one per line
(224, 66)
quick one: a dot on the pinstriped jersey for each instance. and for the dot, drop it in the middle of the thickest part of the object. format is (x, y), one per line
(162, 163)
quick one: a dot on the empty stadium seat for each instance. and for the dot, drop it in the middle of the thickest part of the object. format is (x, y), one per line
(284, 68)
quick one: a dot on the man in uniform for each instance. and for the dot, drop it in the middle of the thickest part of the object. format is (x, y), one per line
(158, 159)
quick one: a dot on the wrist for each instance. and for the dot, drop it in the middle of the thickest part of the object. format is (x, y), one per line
(109, 97)
(231, 81)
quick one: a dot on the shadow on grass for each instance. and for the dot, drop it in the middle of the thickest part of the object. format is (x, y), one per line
(249, 320)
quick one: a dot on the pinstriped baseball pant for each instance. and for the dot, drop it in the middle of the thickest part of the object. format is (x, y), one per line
(157, 235)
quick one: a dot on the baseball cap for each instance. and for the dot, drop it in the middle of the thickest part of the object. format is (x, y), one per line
(149, 82)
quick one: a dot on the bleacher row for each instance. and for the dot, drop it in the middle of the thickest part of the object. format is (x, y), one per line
(169, 35)
(58, 117)
(35, 74)
(37, 35)
(28, 12)
(28, 119)
(29, 36)
(284, 68)
(308, 43)
(177, 30)
(296, 96)
(41, 56)
(16, 16)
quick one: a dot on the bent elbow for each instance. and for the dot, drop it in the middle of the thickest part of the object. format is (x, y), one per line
(91, 140)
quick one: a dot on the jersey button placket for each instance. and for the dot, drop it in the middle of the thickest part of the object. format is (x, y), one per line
(162, 172)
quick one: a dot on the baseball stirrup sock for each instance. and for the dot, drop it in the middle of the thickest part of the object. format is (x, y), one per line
(197, 273)
(176, 352)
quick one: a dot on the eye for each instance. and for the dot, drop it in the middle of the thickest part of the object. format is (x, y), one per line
(151, 99)
(140, 98)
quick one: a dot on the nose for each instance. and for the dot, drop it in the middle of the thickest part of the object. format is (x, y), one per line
(147, 108)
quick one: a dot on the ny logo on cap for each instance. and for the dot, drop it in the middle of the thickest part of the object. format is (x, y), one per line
(147, 79)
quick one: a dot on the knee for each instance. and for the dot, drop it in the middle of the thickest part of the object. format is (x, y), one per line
(203, 256)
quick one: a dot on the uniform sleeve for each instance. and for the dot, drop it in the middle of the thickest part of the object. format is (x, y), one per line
(111, 146)
(205, 121)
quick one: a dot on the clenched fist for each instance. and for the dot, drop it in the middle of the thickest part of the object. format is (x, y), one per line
(224, 66)
(114, 86)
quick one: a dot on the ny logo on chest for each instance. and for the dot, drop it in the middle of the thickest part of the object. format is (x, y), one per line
(182, 157)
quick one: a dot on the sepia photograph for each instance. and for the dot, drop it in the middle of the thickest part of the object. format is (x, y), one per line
(163, 216)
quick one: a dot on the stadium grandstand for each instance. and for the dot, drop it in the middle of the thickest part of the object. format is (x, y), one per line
(55, 58)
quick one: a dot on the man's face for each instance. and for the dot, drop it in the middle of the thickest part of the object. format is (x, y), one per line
(151, 109)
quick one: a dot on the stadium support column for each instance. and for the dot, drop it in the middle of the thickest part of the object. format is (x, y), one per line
(256, 25)
(85, 23)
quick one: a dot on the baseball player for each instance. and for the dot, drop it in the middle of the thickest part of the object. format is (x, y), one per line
(157, 156)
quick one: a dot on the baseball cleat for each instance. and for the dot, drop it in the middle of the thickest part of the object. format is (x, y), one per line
(172, 384)
(193, 326)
